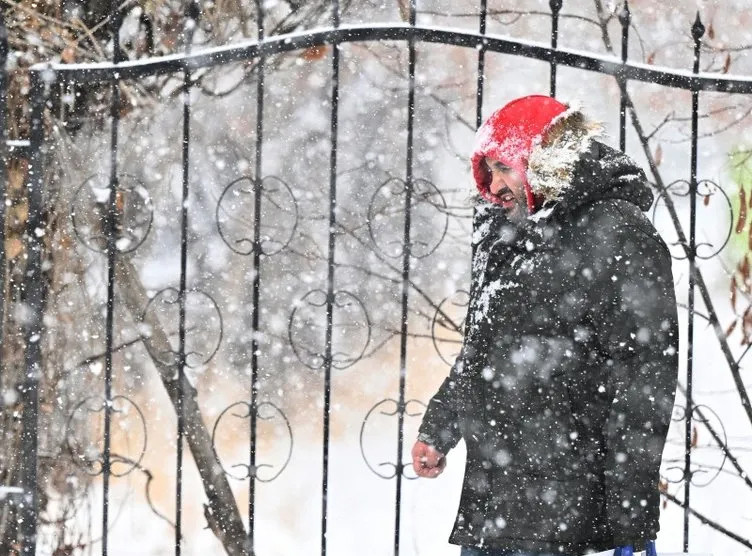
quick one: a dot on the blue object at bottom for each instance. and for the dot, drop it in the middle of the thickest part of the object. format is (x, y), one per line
(627, 550)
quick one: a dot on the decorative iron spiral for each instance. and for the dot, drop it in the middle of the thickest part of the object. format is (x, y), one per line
(87, 454)
(203, 326)
(429, 218)
(396, 468)
(307, 328)
(133, 217)
(235, 214)
(706, 189)
(249, 472)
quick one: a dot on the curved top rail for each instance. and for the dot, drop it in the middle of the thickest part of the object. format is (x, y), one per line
(609, 65)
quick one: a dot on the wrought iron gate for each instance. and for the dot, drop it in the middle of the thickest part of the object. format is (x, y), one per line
(181, 392)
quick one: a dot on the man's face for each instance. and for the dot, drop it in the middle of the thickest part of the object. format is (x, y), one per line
(507, 189)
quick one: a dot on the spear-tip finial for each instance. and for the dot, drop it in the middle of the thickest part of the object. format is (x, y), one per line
(698, 29)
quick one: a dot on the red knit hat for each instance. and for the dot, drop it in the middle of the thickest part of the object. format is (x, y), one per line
(509, 135)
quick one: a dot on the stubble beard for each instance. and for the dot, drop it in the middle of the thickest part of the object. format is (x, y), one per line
(517, 213)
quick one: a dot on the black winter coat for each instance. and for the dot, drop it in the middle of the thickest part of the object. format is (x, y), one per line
(565, 383)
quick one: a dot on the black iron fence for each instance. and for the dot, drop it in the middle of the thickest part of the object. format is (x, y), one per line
(114, 240)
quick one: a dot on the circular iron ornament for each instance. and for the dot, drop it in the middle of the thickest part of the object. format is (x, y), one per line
(133, 218)
(388, 414)
(706, 188)
(203, 328)
(386, 218)
(307, 328)
(235, 215)
(249, 472)
(680, 415)
(87, 454)
(439, 322)
(718, 424)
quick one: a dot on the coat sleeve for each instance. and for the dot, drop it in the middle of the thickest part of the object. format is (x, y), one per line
(634, 315)
(440, 425)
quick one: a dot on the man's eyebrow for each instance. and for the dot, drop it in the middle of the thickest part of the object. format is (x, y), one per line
(499, 165)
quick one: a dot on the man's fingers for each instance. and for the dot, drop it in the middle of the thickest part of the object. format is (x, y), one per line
(427, 461)
(419, 463)
(428, 473)
(420, 472)
(432, 457)
(417, 450)
(417, 466)
(432, 472)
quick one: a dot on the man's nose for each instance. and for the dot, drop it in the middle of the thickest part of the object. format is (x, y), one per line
(496, 184)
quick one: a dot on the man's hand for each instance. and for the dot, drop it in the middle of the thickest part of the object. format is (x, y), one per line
(427, 461)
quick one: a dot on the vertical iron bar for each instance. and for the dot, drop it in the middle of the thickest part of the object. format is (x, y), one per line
(698, 29)
(555, 6)
(256, 273)
(3, 188)
(479, 87)
(406, 253)
(32, 298)
(481, 66)
(192, 14)
(624, 18)
(109, 229)
(330, 276)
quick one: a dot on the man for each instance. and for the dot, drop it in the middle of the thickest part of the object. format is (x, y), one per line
(565, 383)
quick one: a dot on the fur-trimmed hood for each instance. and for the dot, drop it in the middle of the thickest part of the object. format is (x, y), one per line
(558, 152)
(554, 153)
